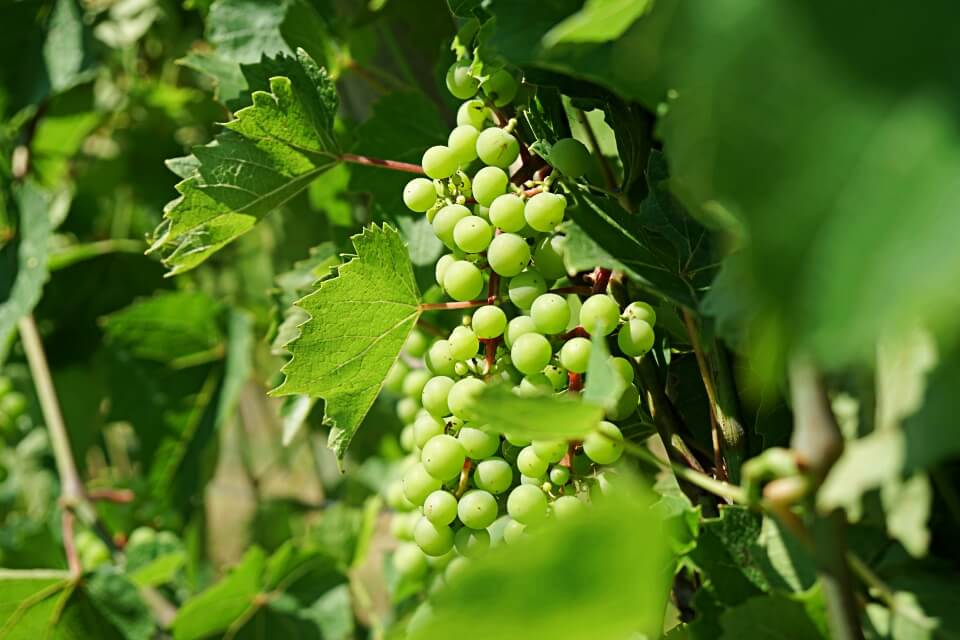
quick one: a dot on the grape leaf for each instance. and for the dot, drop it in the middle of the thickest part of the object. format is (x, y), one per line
(270, 152)
(358, 323)
(604, 385)
(597, 21)
(333, 614)
(544, 417)
(117, 599)
(798, 617)
(244, 30)
(47, 604)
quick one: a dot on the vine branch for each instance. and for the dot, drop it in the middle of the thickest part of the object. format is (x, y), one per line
(395, 165)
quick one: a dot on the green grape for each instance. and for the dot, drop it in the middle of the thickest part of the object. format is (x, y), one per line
(640, 311)
(506, 213)
(635, 338)
(395, 376)
(439, 360)
(463, 143)
(461, 369)
(409, 561)
(419, 195)
(599, 315)
(407, 441)
(566, 507)
(472, 543)
(489, 321)
(434, 396)
(557, 376)
(544, 211)
(477, 509)
(482, 212)
(94, 555)
(527, 504)
(472, 234)
(477, 443)
(463, 280)
(605, 444)
(548, 257)
(402, 524)
(407, 409)
(497, 148)
(413, 382)
(494, 475)
(438, 162)
(433, 540)
(442, 265)
(425, 427)
(626, 404)
(536, 384)
(516, 441)
(570, 157)
(440, 508)
(418, 484)
(474, 113)
(501, 87)
(455, 569)
(6, 385)
(443, 457)
(416, 344)
(508, 254)
(395, 498)
(623, 368)
(463, 343)
(441, 562)
(141, 536)
(517, 327)
(460, 83)
(446, 220)
(537, 481)
(513, 532)
(13, 403)
(488, 183)
(530, 464)
(575, 354)
(526, 287)
(550, 450)
(559, 475)
(462, 396)
(550, 313)
(531, 353)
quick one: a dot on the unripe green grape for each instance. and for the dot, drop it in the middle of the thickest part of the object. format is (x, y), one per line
(501, 87)
(462, 396)
(141, 536)
(514, 532)
(557, 376)
(445, 221)
(418, 484)
(640, 311)
(6, 385)
(626, 404)
(599, 314)
(550, 313)
(409, 561)
(527, 504)
(477, 443)
(531, 353)
(566, 507)
(433, 540)
(441, 269)
(13, 403)
(395, 498)
(515, 441)
(407, 440)
(481, 212)
(548, 257)
(488, 183)
(460, 82)
(635, 338)
(559, 475)
(477, 509)
(407, 409)
(443, 457)
(395, 377)
(440, 507)
(463, 280)
(534, 385)
(439, 162)
(506, 213)
(550, 450)
(497, 148)
(463, 343)
(516, 328)
(402, 524)
(456, 568)
(544, 211)
(414, 381)
(472, 543)
(508, 254)
(419, 195)
(435, 394)
(526, 287)
(605, 444)
(575, 354)
(533, 481)
(439, 359)
(494, 475)
(416, 344)
(463, 143)
(461, 369)
(623, 368)
(474, 113)
(570, 157)
(489, 322)
(530, 464)
(440, 562)
(472, 234)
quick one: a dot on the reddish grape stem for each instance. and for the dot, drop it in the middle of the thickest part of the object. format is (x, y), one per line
(466, 304)
(574, 382)
(384, 164)
(490, 353)
(464, 478)
(601, 278)
(576, 332)
(69, 547)
(119, 496)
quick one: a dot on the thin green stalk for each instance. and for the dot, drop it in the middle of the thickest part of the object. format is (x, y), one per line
(729, 492)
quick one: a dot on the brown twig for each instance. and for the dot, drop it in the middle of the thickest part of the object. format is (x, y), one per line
(119, 496)
(601, 278)
(466, 304)
(69, 547)
(380, 162)
(707, 376)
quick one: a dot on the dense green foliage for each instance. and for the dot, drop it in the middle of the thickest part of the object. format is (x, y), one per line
(479, 318)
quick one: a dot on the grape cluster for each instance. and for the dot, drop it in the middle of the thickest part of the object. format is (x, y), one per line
(465, 485)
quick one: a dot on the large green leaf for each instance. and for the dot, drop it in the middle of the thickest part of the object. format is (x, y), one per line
(268, 154)
(597, 21)
(543, 417)
(358, 323)
(798, 617)
(38, 604)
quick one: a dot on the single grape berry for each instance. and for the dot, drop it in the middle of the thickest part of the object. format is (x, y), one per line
(433, 540)
(435, 394)
(477, 443)
(439, 359)
(418, 484)
(409, 561)
(530, 464)
(445, 261)
(623, 367)
(575, 354)
(548, 257)
(440, 508)
(500, 87)
(599, 314)
(474, 113)
(477, 509)
(489, 321)
(635, 338)
(526, 287)
(570, 157)
(472, 543)
(462, 396)
(439, 162)
(488, 183)
(550, 450)
(640, 311)
(544, 211)
(513, 532)
(463, 280)
(559, 475)
(605, 444)
(534, 385)
(443, 457)
(497, 148)
(508, 254)
(460, 83)
(626, 404)
(395, 376)
(425, 427)
(557, 376)
(516, 328)
(494, 475)
(446, 220)
(530, 353)
(463, 143)
(407, 409)
(551, 313)
(506, 213)
(472, 234)
(416, 344)
(567, 506)
(419, 195)
(463, 343)
(527, 504)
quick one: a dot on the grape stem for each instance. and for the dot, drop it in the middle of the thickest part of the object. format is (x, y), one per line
(117, 496)
(601, 278)
(395, 165)
(466, 304)
(574, 382)
(707, 376)
(725, 490)
(576, 332)
(464, 478)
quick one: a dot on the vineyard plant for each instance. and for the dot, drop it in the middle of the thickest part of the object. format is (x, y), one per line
(479, 319)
